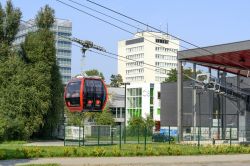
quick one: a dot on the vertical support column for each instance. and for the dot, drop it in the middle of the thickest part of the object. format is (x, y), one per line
(241, 116)
(218, 109)
(210, 106)
(179, 100)
(194, 102)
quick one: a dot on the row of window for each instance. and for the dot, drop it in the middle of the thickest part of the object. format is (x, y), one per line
(163, 49)
(135, 112)
(134, 91)
(65, 70)
(134, 102)
(136, 78)
(160, 71)
(62, 52)
(161, 41)
(135, 64)
(134, 71)
(135, 56)
(62, 28)
(166, 57)
(64, 34)
(63, 61)
(64, 42)
(64, 45)
(160, 79)
(165, 64)
(134, 49)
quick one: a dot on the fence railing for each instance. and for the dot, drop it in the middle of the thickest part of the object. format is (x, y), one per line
(114, 135)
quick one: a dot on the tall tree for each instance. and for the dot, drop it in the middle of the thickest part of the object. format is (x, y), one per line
(9, 24)
(95, 72)
(116, 80)
(44, 56)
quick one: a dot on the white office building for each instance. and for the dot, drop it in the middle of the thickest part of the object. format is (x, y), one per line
(138, 60)
(153, 48)
(61, 27)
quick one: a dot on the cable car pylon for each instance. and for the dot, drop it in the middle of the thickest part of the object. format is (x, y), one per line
(86, 44)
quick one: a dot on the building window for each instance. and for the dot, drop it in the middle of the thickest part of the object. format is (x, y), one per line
(151, 96)
(163, 49)
(163, 41)
(159, 95)
(152, 112)
(135, 49)
(134, 100)
(158, 111)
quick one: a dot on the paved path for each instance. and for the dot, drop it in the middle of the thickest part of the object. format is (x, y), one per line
(216, 160)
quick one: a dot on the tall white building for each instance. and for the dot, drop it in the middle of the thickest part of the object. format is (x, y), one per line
(61, 27)
(153, 48)
(143, 93)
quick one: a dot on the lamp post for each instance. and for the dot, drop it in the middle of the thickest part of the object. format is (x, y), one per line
(125, 105)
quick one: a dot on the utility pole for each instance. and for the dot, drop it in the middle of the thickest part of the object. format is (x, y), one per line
(179, 99)
(194, 101)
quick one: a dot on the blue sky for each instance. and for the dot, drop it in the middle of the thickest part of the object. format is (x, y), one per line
(203, 23)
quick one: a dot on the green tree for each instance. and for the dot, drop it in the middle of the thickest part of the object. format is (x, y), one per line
(116, 80)
(172, 75)
(95, 72)
(105, 117)
(9, 24)
(40, 50)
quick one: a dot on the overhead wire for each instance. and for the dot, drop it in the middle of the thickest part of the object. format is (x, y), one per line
(133, 19)
(115, 26)
(128, 24)
(121, 21)
(111, 54)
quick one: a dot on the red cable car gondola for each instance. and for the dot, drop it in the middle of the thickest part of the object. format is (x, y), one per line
(86, 94)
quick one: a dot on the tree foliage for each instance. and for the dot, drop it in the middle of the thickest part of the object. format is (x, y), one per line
(9, 24)
(172, 75)
(140, 121)
(116, 80)
(95, 72)
(105, 117)
(31, 92)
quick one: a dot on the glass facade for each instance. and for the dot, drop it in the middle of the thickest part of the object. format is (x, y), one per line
(134, 102)
(63, 46)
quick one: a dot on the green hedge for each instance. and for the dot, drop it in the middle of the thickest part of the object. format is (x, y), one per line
(127, 150)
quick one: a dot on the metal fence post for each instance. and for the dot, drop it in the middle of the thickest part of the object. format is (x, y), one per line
(199, 137)
(145, 139)
(120, 136)
(169, 135)
(138, 134)
(79, 139)
(64, 134)
(98, 135)
(83, 141)
(230, 136)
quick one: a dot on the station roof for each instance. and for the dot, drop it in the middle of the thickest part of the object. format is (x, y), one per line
(231, 57)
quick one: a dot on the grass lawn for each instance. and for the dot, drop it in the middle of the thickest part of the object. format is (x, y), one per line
(12, 150)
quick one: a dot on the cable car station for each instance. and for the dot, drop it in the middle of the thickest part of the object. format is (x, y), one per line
(231, 58)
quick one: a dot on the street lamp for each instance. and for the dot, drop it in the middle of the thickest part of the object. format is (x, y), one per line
(125, 83)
